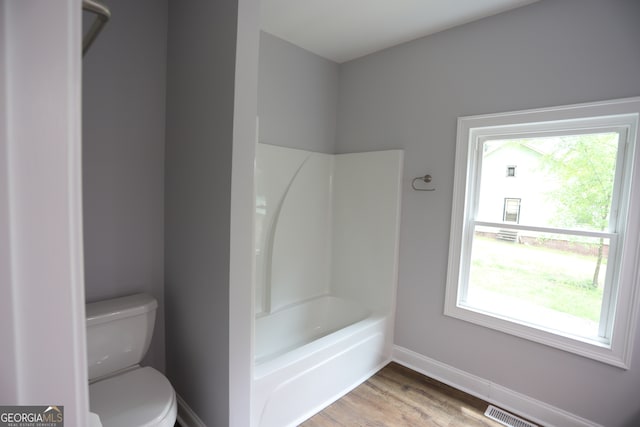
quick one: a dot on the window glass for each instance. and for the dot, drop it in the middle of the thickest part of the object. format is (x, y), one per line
(553, 281)
(563, 181)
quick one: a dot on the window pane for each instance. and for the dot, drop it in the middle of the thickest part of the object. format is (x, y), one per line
(538, 278)
(561, 181)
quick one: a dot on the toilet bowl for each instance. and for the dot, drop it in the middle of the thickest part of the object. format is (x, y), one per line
(121, 392)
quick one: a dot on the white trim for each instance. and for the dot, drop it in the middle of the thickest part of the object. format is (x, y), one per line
(41, 206)
(503, 397)
(625, 113)
(242, 206)
(186, 416)
(75, 211)
(10, 360)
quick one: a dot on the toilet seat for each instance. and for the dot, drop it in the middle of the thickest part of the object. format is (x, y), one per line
(142, 397)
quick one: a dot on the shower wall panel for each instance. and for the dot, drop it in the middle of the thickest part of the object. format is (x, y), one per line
(293, 226)
(366, 218)
(326, 225)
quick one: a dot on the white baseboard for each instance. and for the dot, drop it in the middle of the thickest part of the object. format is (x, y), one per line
(517, 403)
(186, 416)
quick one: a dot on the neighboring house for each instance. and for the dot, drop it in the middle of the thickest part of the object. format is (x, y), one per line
(516, 188)
(513, 187)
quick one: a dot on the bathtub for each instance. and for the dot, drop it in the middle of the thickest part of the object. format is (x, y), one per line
(310, 354)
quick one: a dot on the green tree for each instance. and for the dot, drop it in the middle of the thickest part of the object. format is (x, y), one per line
(585, 168)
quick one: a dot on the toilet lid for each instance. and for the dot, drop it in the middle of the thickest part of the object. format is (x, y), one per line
(140, 397)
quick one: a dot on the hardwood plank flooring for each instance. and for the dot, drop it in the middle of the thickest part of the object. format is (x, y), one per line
(400, 397)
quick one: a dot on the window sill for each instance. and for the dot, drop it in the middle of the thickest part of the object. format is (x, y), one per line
(590, 348)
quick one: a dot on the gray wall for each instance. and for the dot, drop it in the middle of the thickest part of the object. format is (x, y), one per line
(123, 111)
(297, 96)
(199, 137)
(549, 53)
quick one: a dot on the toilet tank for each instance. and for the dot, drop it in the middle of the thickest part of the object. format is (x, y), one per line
(118, 332)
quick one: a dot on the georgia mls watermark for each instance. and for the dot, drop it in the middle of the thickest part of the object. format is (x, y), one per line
(32, 416)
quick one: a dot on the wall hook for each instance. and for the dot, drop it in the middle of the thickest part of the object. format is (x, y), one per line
(427, 178)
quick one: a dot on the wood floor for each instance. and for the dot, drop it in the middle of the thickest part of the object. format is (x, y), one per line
(399, 397)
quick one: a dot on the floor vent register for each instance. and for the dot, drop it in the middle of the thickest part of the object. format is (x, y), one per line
(506, 418)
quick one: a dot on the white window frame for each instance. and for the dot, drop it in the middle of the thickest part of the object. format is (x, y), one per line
(617, 325)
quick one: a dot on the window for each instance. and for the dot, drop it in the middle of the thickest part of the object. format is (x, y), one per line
(511, 212)
(562, 272)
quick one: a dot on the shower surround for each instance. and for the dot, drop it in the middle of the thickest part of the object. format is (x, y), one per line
(326, 276)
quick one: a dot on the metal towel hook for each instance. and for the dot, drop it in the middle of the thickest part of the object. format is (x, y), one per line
(427, 178)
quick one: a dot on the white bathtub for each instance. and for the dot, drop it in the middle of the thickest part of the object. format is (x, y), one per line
(310, 354)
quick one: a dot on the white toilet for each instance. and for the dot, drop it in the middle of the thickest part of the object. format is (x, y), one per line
(121, 392)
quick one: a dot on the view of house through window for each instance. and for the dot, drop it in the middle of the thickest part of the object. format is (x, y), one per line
(545, 230)
(552, 270)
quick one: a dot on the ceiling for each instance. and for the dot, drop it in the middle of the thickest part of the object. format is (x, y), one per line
(342, 30)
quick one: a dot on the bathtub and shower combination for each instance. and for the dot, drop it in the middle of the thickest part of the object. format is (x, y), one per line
(326, 268)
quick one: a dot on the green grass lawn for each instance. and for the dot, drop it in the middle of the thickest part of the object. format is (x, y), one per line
(549, 278)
